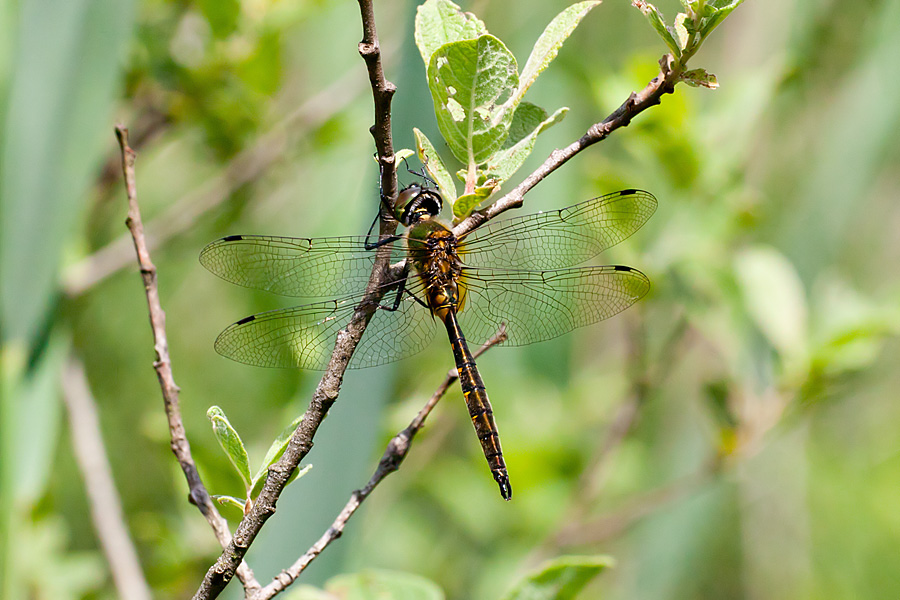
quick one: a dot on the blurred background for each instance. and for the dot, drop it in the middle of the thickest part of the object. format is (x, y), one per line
(734, 435)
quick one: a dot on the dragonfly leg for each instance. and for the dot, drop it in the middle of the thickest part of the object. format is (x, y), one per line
(401, 291)
(379, 243)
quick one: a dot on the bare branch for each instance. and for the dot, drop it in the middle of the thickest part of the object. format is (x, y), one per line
(221, 572)
(103, 498)
(637, 102)
(382, 93)
(393, 456)
(163, 365)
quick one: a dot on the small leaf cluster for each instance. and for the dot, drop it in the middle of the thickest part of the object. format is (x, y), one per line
(478, 93)
(685, 36)
(236, 452)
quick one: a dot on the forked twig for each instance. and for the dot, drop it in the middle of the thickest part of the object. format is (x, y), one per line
(396, 451)
(163, 365)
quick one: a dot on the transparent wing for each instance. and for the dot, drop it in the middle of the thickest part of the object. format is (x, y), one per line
(304, 336)
(560, 238)
(308, 267)
(541, 305)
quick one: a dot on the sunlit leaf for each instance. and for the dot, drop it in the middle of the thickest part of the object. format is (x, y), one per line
(470, 81)
(230, 501)
(401, 155)
(465, 204)
(506, 162)
(681, 31)
(548, 44)
(526, 118)
(717, 14)
(276, 449)
(656, 20)
(435, 166)
(700, 78)
(440, 22)
(559, 579)
(231, 443)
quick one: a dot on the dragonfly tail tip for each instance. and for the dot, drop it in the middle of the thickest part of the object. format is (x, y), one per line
(505, 487)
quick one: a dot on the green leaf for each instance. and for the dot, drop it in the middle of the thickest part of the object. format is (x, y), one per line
(656, 20)
(548, 44)
(440, 22)
(276, 449)
(231, 443)
(435, 166)
(401, 155)
(230, 501)
(470, 81)
(297, 474)
(700, 78)
(681, 31)
(383, 585)
(716, 16)
(559, 579)
(465, 204)
(506, 162)
(525, 119)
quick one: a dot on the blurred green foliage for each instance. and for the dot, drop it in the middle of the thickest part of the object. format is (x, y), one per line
(762, 458)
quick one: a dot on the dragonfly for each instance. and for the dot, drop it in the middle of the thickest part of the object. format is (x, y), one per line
(518, 272)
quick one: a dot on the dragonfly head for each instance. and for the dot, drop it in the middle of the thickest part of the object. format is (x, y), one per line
(416, 203)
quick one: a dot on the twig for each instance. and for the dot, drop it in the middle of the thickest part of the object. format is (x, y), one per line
(637, 102)
(163, 365)
(246, 166)
(326, 394)
(393, 456)
(103, 498)
(382, 94)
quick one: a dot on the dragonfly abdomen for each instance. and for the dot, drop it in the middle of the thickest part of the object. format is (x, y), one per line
(479, 405)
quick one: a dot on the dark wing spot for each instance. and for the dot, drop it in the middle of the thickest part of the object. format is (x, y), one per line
(246, 320)
(232, 238)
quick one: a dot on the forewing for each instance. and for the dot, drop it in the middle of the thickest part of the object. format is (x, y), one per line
(306, 267)
(304, 336)
(541, 305)
(560, 238)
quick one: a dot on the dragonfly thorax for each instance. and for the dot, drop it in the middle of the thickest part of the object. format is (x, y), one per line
(433, 252)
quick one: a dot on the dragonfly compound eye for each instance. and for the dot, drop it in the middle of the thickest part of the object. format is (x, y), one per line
(416, 203)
